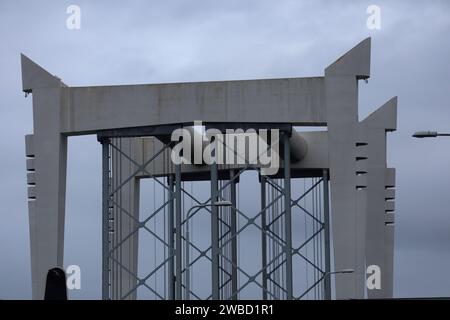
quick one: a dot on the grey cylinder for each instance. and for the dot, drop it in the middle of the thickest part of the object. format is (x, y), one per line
(298, 146)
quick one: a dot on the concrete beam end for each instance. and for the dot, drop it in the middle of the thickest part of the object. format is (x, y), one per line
(355, 62)
(34, 76)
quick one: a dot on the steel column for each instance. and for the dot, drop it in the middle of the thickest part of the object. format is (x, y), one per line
(326, 220)
(214, 234)
(187, 295)
(105, 219)
(178, 235)
(170, 232)
(287, 218)
(234, 271)
(263, 237)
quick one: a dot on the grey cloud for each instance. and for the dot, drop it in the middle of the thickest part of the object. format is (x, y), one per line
(153, 41)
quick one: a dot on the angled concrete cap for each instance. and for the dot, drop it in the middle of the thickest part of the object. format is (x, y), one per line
(355, 62)
(384, 117)
(34, 76)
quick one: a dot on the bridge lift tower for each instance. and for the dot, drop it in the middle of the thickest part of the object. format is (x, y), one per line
(328, 209)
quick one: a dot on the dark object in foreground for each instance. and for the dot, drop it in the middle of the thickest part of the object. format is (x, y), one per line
(55, 288)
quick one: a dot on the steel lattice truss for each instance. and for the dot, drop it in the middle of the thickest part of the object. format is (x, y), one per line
(182, 254)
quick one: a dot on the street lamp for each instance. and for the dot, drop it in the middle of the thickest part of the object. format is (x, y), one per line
(328, 274)
(328, 289)
(223, 203)
(429, 134)
(343, 271)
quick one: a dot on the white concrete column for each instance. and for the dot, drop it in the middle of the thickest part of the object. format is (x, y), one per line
(47, 152)
(341, 97)
(380, 198)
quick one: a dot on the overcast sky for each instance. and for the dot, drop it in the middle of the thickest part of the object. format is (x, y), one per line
(168, 41)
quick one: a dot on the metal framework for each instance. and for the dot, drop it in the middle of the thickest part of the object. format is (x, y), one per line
(275, 275)
(330, 207)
